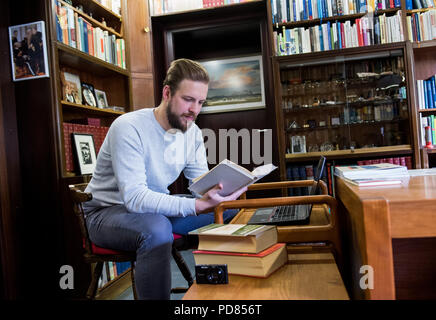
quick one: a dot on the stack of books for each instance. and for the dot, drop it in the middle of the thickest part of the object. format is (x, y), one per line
(377, 174)
(249, 250)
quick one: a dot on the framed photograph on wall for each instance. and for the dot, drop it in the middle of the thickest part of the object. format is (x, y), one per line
(84, 149)
(235, 84)
(28, 49)
(101, 98)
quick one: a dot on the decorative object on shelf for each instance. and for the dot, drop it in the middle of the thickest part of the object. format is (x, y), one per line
(235, 84)
(85, 152)
(311, 123)
(327, 146)
(336, 121)
(71, 87)
(298, 144)
(28, 50)
(89, 94)
(313, 148)
(101, 98)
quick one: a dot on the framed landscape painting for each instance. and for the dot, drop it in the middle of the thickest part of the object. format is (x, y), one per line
(235, 84)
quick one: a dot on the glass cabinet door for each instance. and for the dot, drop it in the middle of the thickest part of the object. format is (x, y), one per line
(345, 103)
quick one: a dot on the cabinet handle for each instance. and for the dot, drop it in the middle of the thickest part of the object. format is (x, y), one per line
(146, 29)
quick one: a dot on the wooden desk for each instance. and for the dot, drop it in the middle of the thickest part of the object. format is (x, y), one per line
(390, 228)
(310, 274)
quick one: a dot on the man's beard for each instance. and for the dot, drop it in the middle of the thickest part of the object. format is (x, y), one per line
(175, 121)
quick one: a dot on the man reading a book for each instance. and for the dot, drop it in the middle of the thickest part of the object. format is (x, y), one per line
(131, 208)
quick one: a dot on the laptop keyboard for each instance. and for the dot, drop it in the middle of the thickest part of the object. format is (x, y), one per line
(284, 213)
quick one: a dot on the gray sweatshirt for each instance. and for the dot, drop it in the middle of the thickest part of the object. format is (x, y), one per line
(137, 162)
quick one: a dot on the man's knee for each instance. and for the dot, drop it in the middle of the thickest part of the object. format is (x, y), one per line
(157, 233)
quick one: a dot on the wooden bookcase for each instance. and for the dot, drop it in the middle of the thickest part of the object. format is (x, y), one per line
(105, 75)
(419, 63)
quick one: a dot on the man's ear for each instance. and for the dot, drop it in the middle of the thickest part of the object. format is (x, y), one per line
(166, 92)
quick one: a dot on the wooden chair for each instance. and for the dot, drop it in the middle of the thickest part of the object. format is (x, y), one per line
(97, 255)
(328, 233)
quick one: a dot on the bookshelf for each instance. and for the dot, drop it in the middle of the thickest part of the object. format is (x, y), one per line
(89, 44)
(99, 58)
(290, 52)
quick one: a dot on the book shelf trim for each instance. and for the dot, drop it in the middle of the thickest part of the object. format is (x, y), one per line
(90, 108)
(94, 60)
(405, 149)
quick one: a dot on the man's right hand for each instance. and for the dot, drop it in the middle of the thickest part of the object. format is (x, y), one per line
(212, 198)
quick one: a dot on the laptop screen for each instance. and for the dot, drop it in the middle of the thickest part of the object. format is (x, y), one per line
(318, 175)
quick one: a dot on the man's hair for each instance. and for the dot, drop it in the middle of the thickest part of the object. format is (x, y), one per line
(182, 69)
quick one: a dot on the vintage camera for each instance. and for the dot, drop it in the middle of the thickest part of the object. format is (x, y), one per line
(211, 274)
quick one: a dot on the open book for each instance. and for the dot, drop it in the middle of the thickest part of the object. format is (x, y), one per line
(230, 175)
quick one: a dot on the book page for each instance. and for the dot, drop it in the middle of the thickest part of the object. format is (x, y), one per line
(262, 171)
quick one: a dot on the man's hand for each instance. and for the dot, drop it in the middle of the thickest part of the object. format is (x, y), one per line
(212, 198)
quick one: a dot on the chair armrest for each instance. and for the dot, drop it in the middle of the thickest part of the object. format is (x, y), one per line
(280, 201)
(285, 184)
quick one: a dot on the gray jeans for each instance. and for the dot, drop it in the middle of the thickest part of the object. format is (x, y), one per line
(150, 236)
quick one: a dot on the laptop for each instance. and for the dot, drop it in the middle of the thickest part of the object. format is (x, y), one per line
(290, 214)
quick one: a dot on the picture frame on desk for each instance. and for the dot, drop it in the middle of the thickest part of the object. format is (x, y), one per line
(84, 151)
(28, 48)
(236, 84)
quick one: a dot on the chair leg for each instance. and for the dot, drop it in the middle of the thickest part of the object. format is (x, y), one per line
(132, 273)
(92, 289)
(183, 269)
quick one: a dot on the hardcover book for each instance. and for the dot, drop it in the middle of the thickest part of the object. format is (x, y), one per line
(378, 170)
(235, 237)
(261, 264)
(232, 177)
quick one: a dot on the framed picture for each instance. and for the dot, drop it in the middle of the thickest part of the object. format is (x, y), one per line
(235, 84)
(101, 98)
(28, 48)
(85, 152)
(88, 94)
(71, 87)
(298, 144)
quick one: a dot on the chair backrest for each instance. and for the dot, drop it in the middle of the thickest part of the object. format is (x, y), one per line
(79, 196)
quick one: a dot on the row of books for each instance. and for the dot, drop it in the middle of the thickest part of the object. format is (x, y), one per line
(338, 35)
(422, 26)
(427, 93)
(77, 32)
(307, 172)
(113, 5)
(430, 122)
(248, 250)
(98, 133)
(420, 4)
(158, 7)
(111, 270)
(284, 11)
